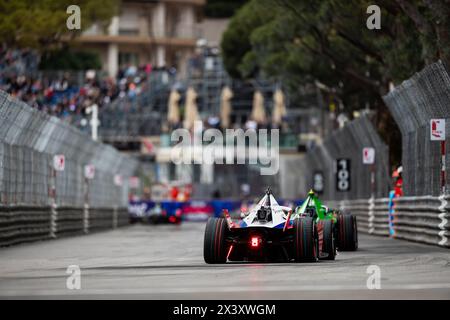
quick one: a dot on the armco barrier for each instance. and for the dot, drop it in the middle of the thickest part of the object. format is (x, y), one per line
(20, 224)
(24, 223)
(421, 219)
(371, 214)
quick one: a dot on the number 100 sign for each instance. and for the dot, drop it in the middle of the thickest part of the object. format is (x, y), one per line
(343, 174)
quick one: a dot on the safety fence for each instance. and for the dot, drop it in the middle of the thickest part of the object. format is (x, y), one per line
(420, 219)
(336, 169)
(422, 214)
(413, 105)
(39, 200)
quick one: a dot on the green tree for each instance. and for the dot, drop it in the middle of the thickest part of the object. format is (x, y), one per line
(66, 59)
(236, 39)
(301, 42)
(222, 8)
(41, 24)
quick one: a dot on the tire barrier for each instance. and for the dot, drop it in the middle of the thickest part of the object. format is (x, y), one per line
(422, 219)
(20, 224)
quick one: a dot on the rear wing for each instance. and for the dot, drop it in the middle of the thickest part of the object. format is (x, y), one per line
(312, 200)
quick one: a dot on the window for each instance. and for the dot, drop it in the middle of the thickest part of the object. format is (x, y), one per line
(128, 58)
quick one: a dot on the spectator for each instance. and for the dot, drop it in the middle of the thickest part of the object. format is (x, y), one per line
(62, 96)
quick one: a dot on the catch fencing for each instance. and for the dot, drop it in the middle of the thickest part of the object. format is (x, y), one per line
(38, 202)
(413, 104)
(422, 214)
(323, 163)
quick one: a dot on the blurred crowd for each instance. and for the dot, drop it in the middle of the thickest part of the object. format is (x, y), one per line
(65, 95)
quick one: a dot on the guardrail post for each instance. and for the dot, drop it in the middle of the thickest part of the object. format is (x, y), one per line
(86, 206)
(371, 214)
(443, 210)
(115, 216)
(53, 205)
(443, 169)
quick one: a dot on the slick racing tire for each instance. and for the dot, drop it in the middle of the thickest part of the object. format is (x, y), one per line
(329, 244)
(305, 240)
(214, 246)
(347, 233)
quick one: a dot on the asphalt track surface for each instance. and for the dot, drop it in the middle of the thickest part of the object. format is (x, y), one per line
(166, 262)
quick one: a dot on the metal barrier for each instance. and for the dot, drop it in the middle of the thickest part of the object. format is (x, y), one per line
(420, 219)
(24, 223)
(20, 223)
(371, 214)
(422, 215)
(38, 202)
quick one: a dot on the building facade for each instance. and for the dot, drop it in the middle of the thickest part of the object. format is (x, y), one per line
(161, 33)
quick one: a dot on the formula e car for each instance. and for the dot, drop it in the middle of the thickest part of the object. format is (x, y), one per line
(154, 212)
(270, 232)
(158, 215)
(345, 227)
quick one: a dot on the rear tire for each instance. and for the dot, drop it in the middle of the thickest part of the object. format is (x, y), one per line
(214, 245)
(305, 241)
(329, 244)
(347, 233)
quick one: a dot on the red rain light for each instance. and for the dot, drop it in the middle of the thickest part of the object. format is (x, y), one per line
(255, 242)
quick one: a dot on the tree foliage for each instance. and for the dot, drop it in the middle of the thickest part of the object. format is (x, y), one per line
(304, 41)
(66, 59)
(222, 8)
(329, 41)
(41, 23)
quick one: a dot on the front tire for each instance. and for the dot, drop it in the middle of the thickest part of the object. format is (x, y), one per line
(305, 242)
(214, 245)
(347, 233)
